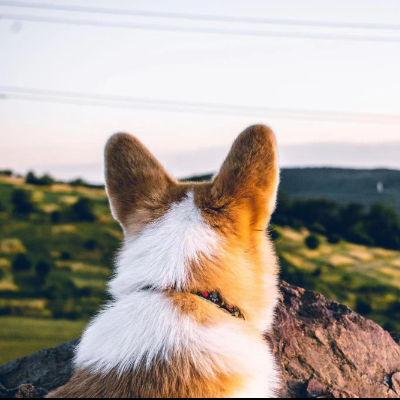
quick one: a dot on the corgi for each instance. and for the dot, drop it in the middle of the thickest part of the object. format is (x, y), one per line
(195, 285)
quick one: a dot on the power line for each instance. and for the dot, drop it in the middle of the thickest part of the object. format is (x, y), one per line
(200, 17)
(186, 107)
(213, 31)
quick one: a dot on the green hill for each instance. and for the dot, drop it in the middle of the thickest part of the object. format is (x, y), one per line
(343, 186)
(56, 258)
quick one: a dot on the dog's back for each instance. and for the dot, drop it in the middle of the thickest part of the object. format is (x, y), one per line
(195, 284)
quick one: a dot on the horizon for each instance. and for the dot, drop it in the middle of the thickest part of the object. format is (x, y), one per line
(208, 161)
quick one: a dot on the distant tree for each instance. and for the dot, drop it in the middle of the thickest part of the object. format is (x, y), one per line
(394, 307)
(42, 269)
(334, 238)
(56, 217)
(45, 180)
(312, 242)
(363, 307)
(382, 225)
(78, 182)
(21, 263)
(283, 214)
(83, 210)
(312, 212)
(31, 178)
(318, 228)
(358, 235)
(317, 273)
(90, 244)
(83, 183)
(6, 172)
(22, 202)
(66, 256)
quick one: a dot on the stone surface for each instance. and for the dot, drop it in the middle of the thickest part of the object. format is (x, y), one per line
(327, 350)
(324, 350)
(23, 392)
(48, 369)
(396, 382)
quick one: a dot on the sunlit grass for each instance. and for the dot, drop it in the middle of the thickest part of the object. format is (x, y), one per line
(24, 336)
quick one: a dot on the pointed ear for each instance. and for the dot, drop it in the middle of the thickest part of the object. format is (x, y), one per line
(249, 178)
(134, 178)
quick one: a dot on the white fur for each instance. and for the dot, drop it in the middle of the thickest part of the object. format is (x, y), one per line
(136, 330)
(140, 326)
(160, 256)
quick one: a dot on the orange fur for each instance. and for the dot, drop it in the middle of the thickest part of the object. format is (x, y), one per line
(237, 205)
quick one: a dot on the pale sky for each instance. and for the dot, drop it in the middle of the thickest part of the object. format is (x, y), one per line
(340, 76)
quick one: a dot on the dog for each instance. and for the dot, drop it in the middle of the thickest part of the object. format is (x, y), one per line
(195, 286)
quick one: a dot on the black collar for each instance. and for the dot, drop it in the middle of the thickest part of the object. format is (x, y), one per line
(211, 297)
(216, 299)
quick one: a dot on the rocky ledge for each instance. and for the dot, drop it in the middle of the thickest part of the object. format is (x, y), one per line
(324, 350)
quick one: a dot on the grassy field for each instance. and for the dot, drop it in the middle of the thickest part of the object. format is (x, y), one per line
(366, 279)
(24, 336)
(35, 316)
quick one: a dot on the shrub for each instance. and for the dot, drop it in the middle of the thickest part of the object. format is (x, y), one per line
(2, 207)
(66, 256)
(317, 273)
(2, 274)
(394, 307)
(22, 202)
(56, 217)
(312, 242)
(363, 307)
(90, 245)
(21, 263)
(318, 228)
(78, 182)
(42, 269)
(358, 235)
(334, 239)
(83, 210)
(45, 180)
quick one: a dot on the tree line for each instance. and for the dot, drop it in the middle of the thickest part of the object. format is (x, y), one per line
(379, 226)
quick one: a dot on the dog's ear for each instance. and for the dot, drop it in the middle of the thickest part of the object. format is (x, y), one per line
(134, 178)
(248, 181)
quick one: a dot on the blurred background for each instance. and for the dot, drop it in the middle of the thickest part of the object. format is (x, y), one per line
(186, 78)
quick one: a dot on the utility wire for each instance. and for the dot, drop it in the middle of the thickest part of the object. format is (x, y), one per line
(124, 102)
(213, 31)
(200, 17)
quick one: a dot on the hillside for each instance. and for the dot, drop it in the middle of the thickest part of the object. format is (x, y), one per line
(78, 253)
(343, 186)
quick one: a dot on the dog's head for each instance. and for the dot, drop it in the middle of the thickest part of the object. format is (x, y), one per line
(197, 236)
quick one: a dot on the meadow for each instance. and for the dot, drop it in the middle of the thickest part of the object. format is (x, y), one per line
(58, 242)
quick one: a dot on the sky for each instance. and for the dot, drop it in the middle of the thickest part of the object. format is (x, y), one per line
(264, 72)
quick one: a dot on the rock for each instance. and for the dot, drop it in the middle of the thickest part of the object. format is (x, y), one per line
(23, 392)
(324, 349)
(316, 390)
(47, 369)
(330, 351)
(396, 383)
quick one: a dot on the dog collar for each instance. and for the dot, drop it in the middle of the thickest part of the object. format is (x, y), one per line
(216, 299)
